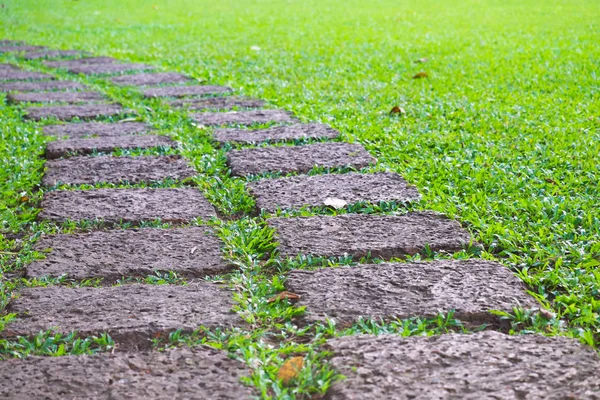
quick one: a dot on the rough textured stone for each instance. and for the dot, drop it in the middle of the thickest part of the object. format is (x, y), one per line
(133, 206)
(40, 86)
(157, 78)
(217, 103)
(90, 69)
(80, 61)
(96, 129)
(61, 148)
(484, 365)
(131, 314)
(277, 133)
(183, 91)
(8, 67)
(359, 235)
(87, 111)
(91, 170)
(298, 191)
(34, 55)
(247, 118)
(19, 49)
(298, 158)
(397, 290)
(198, 373)
(20, 75)
(190, 252)
(60, 97)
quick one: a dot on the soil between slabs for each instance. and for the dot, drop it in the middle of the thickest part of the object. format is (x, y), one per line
(62, 97)
(133, 206)
(183, 91)
(217, 103)
(157, 78)
(301, 159)
(476, 366)
(277, 133)
(250, 117)
(99, 129)
(40, 86)
(192, 373)
(62, 148)
(88, 111)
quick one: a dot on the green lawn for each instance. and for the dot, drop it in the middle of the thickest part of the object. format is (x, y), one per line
(503, 134)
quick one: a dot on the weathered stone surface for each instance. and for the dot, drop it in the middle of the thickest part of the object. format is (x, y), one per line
(19, 49)
(217, 103)
(34, 55)
(8, 67)
(277, 133)
(9, 42)
(20, 75)
(88, 111)
(183, 373)
(96, 129)
(131, 314)
(90, 69)
(358, 235)
(80, 61)
(298, 191)
(484, 365)
(91, 170)
(157, 78)
(61, 97)
(111, 255)
(40, 86)
(397, 290)
(298, 158)
(133, 206)
(247, 118)
(61, 148)
(183, 91)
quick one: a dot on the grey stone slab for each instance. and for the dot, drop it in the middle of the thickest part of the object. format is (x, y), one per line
(157, 78)
(56, 97)
(484, 365)
(92, 170)
(250, 117)
(298, 191)
(19, 48)
(10, 42)
(175, 205)
(183, 91)
(392, 291)
(217, 103)
(80, 61)
(190, 252)
(299, 159)
(358, 235)
(34, 55)
(91, 69)
(62, 148)
(275, 134)
(20, 75)
(183, 373)
(40, 86)
(96, 129)
(88, 111)
(131, 314)
(8, 67)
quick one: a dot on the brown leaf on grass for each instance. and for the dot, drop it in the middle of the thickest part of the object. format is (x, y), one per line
(284, 295)
(290, 369)
(421, 75)
(421, 60)
(397, 110)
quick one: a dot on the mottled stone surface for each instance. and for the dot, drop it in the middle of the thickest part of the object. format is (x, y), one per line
(299, 159)
(358, 235)
(157, 78)
(131, 314)
(485, 365)
(91, 170)
(20, 75)
(217, 103)
(8, 67)
(250, 117)
(61, 148)
(277, 133)
(404, 290)
(80, 61)
(90, 69)
(198, 373)
(19, 48)
(133, 206)
(303, 190)
(183, 91)
(96, 129)
(40, 86)
(111, 255)
(34, 55)
(87, 111)
(60, 97)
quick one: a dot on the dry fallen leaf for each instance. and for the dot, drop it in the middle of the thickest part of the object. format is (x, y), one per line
(335, 203)
(421, 60)
(284, 295)
(397, 110)
(290, 369)
(254, 48)
(420, 75)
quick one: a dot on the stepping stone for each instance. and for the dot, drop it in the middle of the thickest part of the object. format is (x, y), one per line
(298, 191)
(40, 86)
(88, 111)
(217, 103)
(183, 91)
(92, 170)
(393, 291)
(484, 365)
(34, 55)
(276, 133)
(298, 159)
(190, 373)
(157, 78)
(20, 75)
(251, 117)
(19, 49)
(358, 235)
(112, 206)
(91, 69)
(80, 61)
(8, 67)
(96, 129)
(131, 314)
(8, 42)
(111, 255)
(50, 97)
(62, 148)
